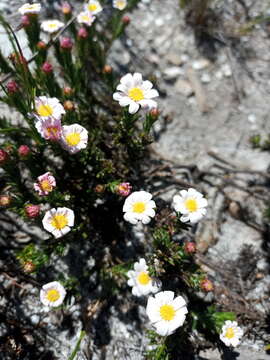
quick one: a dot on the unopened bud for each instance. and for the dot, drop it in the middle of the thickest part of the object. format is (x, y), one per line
(107, 69)
(4, 157)
(66, 8)
(24, 151)
(154, 112)
(29, 267)
(69, 105)
(67, 90)
(47, 68)
(124, 189)
(41, 45)
(190, 247)
(99, 188)
(82, 33)
(207, 285)
(66, 43)
(5, 200)
(126, 20)
(12, 87)
(25, 21)
(32, 211)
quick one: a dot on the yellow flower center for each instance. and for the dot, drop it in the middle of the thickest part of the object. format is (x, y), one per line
(229, 333)
(73, 139)
(52, 131)
(143, 278)
(59, 221)
(46, 186)
(167, 312)
(44, 110)
(136, 94)
(92, 7)
(139, 207)
(191, 205)
(85, 17)
(52, 26)
(52, 295)
(120, 3)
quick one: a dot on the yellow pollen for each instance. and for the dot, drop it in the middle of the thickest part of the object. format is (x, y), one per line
(92, 7)
(52, 26)
(44, 110)
(59, 221)
(167, 312)
(46, 186)
(143, 278)
(52, 131)
(52, 295)
(120, 3)
(191, 205)
(229, 333)
(136, 94)
(73, 139)
(85, 18)
(139, 207)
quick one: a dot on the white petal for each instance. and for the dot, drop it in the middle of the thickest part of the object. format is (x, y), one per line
(150, 94)
(133, 107)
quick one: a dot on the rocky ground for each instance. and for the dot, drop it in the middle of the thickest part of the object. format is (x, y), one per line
(215, 99)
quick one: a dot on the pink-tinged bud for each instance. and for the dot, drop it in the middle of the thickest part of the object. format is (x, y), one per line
(107, 69)
(32, 211)
(124, 189)
(69, 105)
(207, 285)
(190, 247)
(82, 33)
(24, 151)
(41, 45)
(3, 157)
(25, 21)
(12, 87)
(67, 90)
(29, 267)
(66, 8)
(5, 200)
(126, 20)
(66, 43)
(154, 113)
(47, 68)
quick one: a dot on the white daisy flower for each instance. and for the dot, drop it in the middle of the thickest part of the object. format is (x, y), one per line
(51, 26)
(139, 279)
(58, 221)
(52, 294)
(86, 17)
(93, 6)
(30, 9)
(231, 333)
(165, 312)
(48, 107)
(191, 204)
(138, 206)
(74, 138)
(119, 4)
(134, 92)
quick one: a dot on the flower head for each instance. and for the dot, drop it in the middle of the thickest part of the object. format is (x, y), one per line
(51, 26)
(119, 4)
(66, 8)
(32, 211)
(165, 312)
(45, 184)
(48, 107)
(124, 189)
(58, 221)
(138, 206)
(47, 68)
(30, 9)
(207, 285)
(82, 33)
(49, 129)
(191, 204)
(12, 87)
(139, 279)
(66, 43)
(231, 333)
(74, 138)
(93, 6)
(85, 17)
(24, 151)
(52, 294)
(4, 156)
(134, 92)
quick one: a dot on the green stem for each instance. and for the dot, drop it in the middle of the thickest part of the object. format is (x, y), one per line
(77, 346)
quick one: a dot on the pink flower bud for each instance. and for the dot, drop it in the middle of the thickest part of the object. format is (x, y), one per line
(67, 90)
(47, 68)
(25, 21)
(41, 45)
(66, 8)
(24, 151)
(66, 43)
(126, 20)
(124, 189)
(82, 33)
(32, 211)
(12, 87)
(154, 112)
(5, 200)
(207, 285)
(190, 247)
(3, 157)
